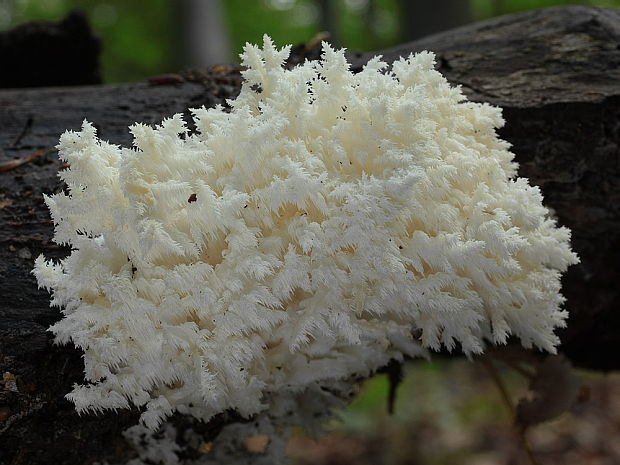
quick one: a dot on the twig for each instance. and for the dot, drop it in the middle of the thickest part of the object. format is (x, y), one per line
(499, 383)
(519, 369)
(25, 130)
(395, 377)
(12, 164)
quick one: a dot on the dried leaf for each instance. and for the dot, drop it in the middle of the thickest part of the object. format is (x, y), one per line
(257, 443)
(10, 382)
(554, 389)
(205, 447)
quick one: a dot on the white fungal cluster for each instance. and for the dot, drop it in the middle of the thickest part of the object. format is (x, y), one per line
(328, 223)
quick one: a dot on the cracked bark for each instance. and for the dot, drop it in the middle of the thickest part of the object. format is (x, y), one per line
(555, 72)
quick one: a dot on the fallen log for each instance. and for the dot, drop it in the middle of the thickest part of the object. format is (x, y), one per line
(556, 73)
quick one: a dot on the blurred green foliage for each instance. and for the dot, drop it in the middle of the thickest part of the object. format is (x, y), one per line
(286, 22)
(361, 24)
(451, 412)
(452, 393)
(446, 413)
(143, 41)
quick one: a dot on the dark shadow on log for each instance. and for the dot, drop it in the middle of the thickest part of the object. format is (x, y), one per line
(555, 72)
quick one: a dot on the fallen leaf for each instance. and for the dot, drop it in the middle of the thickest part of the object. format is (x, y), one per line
(257, 443)
(554, 389)
(205, 447)
(10, 383)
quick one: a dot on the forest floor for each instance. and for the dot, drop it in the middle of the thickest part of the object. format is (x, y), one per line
(451, 413)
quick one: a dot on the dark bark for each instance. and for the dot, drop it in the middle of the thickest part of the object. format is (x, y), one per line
(44, 53)
(420, 19)
(556, 72)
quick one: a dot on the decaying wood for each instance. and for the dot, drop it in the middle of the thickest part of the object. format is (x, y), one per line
(555, 72)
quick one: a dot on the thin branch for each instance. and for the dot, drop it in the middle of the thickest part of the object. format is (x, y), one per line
(12, 164)
(25, 130)
(520, 369)
(499, 383)
(501, 386)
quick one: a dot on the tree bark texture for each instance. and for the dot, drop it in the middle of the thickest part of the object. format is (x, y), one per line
(556, 73)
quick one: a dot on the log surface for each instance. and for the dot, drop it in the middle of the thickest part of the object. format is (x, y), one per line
(556, 73)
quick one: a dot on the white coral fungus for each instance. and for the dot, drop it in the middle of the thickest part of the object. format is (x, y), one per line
(328, 223)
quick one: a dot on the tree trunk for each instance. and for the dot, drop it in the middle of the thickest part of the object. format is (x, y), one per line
(556, 73)
(420, 19)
